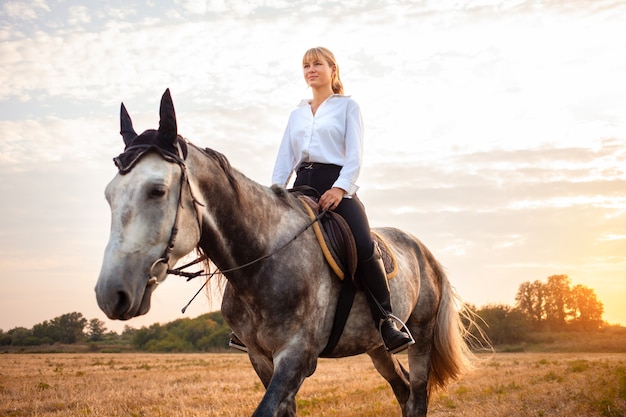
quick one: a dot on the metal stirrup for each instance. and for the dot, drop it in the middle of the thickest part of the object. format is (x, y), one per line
(403, 328)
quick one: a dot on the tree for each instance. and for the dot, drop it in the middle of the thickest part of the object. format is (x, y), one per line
(205, 332)
(586, 310)
(71, 327)
(5, 338)
(21, 336)
(505, 325)
(558, 298)
(45, 333)
(530, 301)
(96, 331)
(67, 328)
(558, 305)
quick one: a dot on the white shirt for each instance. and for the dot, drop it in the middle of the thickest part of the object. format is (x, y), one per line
(334, 135)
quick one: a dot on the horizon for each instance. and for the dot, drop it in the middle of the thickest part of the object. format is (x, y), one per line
(129, 322)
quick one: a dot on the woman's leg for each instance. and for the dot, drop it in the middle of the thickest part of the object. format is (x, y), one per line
(370, 269)
(353, 212)
(371, 272)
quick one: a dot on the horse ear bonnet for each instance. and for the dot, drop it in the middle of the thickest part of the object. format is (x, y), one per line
(165, 141)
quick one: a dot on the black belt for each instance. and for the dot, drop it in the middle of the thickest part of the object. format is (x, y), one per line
(316, 165)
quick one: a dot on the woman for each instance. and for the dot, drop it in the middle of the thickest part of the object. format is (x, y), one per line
(323, 145)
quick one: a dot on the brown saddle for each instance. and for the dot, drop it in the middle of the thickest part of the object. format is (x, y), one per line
(337, 242)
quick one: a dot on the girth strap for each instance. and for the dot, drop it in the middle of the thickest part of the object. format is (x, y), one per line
(344, 305)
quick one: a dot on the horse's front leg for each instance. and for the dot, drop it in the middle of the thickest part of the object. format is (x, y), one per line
(291, 367)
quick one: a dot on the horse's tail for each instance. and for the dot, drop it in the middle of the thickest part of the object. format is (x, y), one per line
(451, 355)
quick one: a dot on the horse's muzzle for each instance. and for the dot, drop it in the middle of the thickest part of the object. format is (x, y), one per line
(120, 303)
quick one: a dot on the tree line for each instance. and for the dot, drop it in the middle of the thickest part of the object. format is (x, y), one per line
(554, 305)
(207, 332)
(551, 306)
(67, 329)
(557, 305)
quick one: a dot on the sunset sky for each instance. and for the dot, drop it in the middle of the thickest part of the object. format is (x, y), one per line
(495, 130)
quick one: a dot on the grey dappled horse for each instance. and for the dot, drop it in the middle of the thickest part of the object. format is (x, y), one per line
(171, 197)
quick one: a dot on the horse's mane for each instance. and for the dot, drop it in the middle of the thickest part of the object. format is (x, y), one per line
(283, 194)
(286, 197)
(223, 163)
(231, 175)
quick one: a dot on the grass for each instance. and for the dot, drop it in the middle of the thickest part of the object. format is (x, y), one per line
(193, 385)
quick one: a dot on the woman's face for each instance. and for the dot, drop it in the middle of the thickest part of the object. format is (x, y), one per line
(317, 72)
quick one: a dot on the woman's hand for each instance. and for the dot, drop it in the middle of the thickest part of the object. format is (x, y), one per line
(331, 198)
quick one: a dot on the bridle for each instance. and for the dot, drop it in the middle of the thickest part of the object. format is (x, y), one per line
(137, 152)
(165, 256)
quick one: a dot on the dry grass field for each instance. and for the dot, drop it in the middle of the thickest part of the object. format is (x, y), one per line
(224, 385)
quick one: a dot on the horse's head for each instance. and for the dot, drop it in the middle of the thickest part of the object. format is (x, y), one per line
(150, 200)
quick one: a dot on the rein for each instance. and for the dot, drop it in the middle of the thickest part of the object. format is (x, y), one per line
(191, 275)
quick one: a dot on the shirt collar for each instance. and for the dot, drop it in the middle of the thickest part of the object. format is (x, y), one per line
(305, 102)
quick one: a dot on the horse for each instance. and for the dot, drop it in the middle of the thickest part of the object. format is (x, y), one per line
(171, 197)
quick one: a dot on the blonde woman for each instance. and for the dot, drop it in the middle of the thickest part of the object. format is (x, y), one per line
(323, 146)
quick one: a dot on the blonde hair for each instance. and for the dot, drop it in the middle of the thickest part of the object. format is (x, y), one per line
(323, 53)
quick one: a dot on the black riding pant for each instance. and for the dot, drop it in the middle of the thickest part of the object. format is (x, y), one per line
(321, 177)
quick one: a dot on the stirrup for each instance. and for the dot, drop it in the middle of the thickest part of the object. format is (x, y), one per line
(403, 328)
(235, 343)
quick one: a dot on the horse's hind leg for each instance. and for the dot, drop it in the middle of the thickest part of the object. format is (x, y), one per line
(419, 366)
(392, 370)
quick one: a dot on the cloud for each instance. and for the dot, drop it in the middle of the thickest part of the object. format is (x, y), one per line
(25, 10)
(508, 213)
(201, 7)
(79, 15)
(30, 142)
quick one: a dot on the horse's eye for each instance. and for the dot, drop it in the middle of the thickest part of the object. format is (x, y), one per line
(156, 192)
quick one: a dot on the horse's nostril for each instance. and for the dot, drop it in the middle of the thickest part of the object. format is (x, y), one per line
(123, 303)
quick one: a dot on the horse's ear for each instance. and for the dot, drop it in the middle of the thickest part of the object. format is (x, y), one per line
(167, 124)
(126, 126)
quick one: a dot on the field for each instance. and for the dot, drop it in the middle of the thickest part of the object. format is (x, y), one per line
(224, 385)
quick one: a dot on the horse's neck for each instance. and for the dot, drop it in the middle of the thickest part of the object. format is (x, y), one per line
(241, 223)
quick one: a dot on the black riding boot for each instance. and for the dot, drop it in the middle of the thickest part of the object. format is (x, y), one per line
(373, 276)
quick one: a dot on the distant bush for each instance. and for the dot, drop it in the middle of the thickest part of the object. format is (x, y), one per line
(204, 333)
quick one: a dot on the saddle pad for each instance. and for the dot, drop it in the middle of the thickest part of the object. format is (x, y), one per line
(389, 259)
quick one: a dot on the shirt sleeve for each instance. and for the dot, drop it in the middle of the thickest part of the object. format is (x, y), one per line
(354, 150)
(285, 159)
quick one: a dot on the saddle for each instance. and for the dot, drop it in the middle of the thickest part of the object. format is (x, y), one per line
(337, 243)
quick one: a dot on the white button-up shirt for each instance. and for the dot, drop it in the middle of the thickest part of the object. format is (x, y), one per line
(334, 135)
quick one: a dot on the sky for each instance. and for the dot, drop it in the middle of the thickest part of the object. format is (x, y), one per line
(494, 131)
